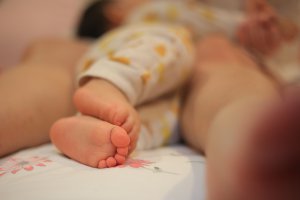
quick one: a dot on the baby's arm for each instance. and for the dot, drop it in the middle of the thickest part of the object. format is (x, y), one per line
(264, 30)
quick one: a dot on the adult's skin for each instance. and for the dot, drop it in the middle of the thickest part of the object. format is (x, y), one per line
(231, 115)
(37, 92)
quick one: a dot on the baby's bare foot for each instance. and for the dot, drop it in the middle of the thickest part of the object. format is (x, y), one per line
(91, 141)
(101, 99)
(263, 162)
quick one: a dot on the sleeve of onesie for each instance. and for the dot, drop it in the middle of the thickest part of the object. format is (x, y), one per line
(144, 61)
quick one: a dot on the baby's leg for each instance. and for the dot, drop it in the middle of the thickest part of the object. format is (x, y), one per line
(235, 115)
(135, 70)
(102, 141)
(159, 122)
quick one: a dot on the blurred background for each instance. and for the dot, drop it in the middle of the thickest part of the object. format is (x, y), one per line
(24, 21)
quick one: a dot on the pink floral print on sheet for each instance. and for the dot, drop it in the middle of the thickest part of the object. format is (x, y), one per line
(144, 164)
(136, 163)
(14, 164)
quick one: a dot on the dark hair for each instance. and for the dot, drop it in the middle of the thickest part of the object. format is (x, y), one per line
(93, 22)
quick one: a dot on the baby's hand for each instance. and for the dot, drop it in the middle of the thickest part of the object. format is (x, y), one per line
(261, 31)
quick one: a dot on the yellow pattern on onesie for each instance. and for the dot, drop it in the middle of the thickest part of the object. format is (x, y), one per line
(145, 62)
(148, 60)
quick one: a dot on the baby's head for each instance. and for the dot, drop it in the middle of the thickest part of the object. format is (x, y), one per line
(103, 15)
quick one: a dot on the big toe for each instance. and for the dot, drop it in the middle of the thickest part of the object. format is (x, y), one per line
(119, 137)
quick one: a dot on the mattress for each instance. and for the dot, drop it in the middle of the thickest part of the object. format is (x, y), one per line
(174, 172)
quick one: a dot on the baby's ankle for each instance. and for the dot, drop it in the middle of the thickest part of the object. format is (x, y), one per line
(96, 85)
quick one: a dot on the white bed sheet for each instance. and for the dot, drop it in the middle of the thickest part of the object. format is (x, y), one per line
(41, 173)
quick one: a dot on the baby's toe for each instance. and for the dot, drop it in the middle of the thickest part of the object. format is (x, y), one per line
(119, 137)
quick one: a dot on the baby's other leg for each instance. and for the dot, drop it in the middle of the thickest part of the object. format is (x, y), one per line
(248, 133)
(159, 122)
